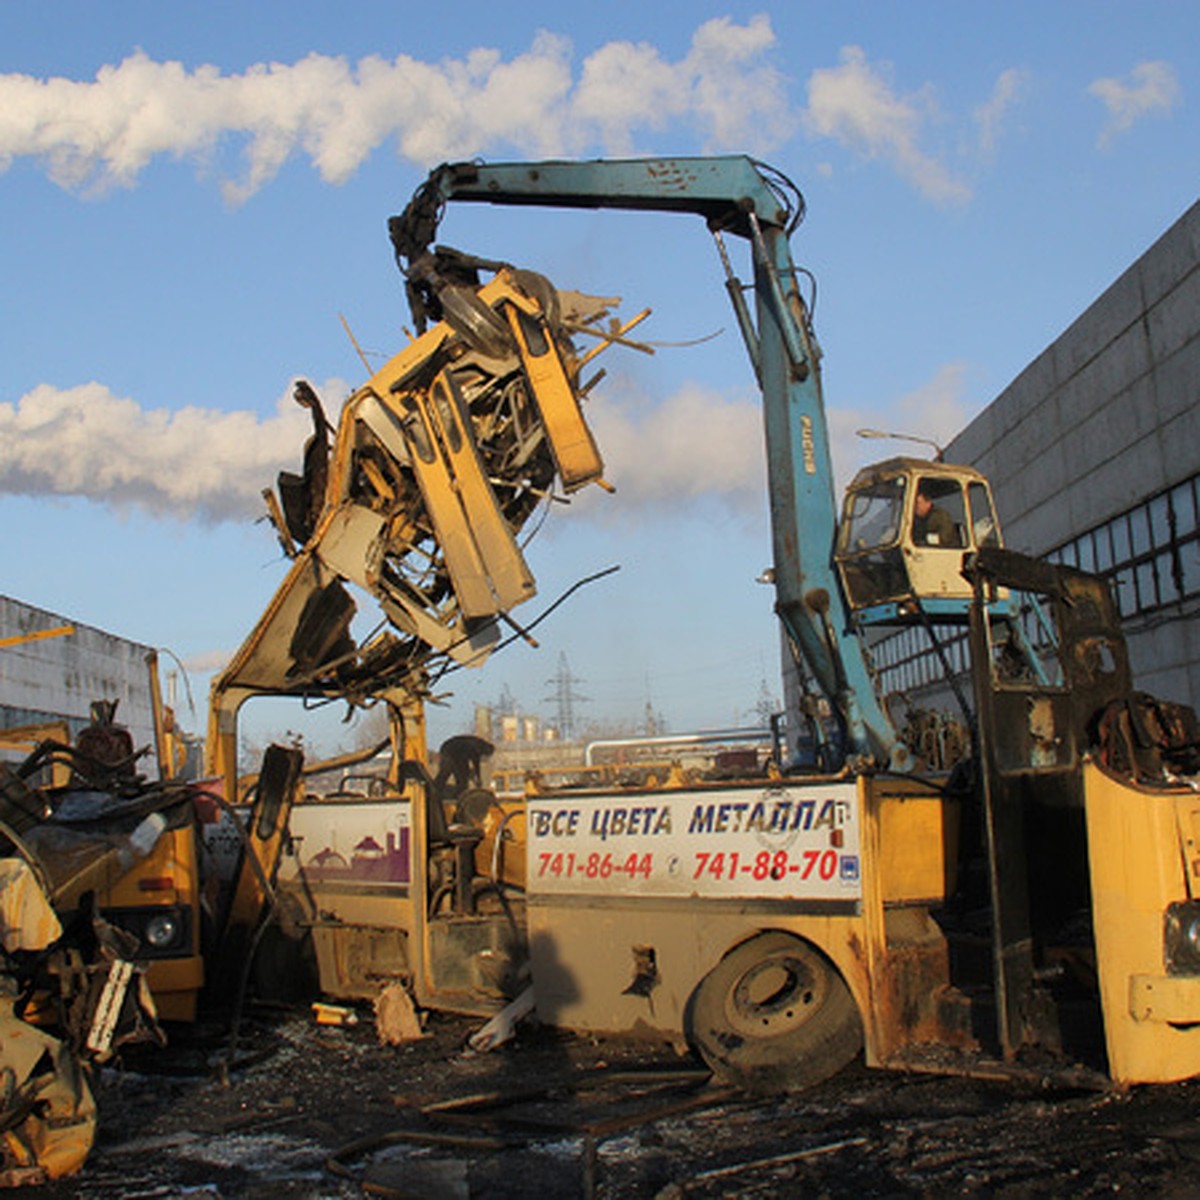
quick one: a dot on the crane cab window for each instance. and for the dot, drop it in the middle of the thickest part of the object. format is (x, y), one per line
(984, 530)
(869, 552)
(905, 526)
(939, 514)
(874, 515)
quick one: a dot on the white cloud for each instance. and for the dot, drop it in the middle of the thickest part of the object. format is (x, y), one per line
(191, 463)
(207, 662)
(694, 443)
(740, 100)
(702, 444)
(935, 411)
(989, 116)
(1151, 88)
(855, 105)
(622, 85)
(212, 466)
(723, 85)
(102, 133)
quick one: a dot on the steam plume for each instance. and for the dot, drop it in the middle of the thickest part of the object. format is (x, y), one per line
(105, 132)
(190, 463)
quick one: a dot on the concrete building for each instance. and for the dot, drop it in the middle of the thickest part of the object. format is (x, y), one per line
(48, 678)
(1093, 452)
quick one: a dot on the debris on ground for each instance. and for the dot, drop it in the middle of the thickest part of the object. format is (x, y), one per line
(330, 1113)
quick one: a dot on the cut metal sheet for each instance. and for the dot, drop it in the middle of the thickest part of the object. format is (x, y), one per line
(451, 522)
(507, 575)
(570, 439)
(27, 920)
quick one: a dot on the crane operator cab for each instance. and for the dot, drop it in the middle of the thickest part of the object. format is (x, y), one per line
(906, 525)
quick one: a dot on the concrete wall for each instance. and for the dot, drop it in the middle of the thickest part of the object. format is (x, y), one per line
(1104, 418)
(61, 676)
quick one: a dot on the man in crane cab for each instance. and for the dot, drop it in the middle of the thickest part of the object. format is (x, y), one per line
(932, 526)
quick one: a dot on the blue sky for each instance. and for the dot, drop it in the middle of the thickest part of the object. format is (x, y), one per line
(194, 195)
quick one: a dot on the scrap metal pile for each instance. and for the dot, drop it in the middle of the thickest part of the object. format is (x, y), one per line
(70, 991)
(418, 496)
(437, 463)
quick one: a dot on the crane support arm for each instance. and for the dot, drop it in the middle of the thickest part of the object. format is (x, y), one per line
(739, 197)
(723, 190)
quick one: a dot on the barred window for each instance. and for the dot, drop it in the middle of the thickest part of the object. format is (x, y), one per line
(906, 661)
(1150, 552)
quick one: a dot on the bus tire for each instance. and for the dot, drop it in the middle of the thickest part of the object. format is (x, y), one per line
(774, 1015)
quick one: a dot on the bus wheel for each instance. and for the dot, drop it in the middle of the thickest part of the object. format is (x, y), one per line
(774, 1015)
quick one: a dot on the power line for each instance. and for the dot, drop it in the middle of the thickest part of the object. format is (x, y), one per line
(565, 697)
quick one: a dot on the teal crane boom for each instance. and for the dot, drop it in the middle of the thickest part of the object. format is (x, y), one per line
(740, 197)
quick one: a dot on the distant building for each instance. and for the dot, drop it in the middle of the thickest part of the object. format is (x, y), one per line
(512, 728)
(51, 678)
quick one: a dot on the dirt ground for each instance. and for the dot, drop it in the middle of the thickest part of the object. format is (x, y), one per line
(312, 1112)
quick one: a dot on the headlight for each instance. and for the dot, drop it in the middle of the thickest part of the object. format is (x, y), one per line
(1182, 938)
(162, 931)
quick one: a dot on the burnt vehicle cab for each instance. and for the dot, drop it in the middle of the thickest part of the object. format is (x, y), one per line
(906, 525)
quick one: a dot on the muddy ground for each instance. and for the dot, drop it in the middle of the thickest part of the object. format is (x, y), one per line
(312, 1111)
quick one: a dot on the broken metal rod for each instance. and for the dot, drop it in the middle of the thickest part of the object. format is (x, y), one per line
(337, 1162)
(612, 336)
(774, 1160)
(519, 630)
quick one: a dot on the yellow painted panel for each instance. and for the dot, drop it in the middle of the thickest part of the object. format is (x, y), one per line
(1171, 998)
(1137, 872)
(173, 857)
(463, 560)
(570, 439)
(918, 847)
(175, 984)
(507, 574)
(1188, 809)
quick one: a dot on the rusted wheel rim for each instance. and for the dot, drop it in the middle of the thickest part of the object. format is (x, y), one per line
(775, 995)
